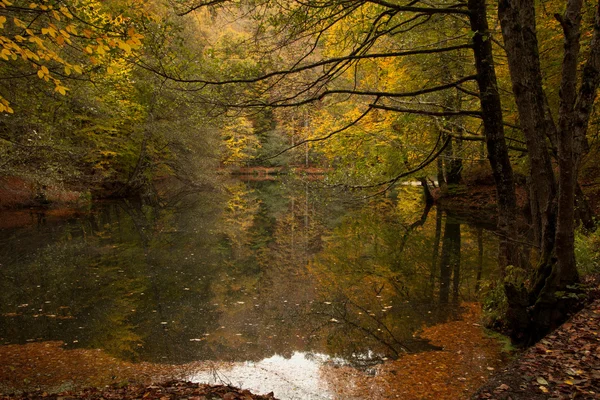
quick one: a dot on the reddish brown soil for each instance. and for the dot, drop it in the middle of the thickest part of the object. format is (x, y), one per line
(15, 192)
(19, 193)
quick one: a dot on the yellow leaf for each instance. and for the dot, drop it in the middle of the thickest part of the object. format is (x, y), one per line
(67, 70)
(30, 54)
(71, 29)
(40, 73)
(19, 23)
(77, 69)
(125, 47)
(2, 21)
(61, 89)
(45, 70)
(65, 12)
(33, 5)
(37, 40)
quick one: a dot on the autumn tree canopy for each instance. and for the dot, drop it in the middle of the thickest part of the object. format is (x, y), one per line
(119, 93)
(355, 61)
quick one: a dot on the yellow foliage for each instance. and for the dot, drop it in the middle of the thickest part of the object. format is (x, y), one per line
(240, 141)
(40, 36)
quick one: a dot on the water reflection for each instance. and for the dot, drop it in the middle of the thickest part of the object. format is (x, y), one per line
(296, 377)
(257, 271)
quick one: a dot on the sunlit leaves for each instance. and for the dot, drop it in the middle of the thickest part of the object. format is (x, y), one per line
(47, 38)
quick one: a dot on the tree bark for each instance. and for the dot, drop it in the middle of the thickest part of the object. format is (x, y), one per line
(517, 18)
(494, 132)
(554, 200)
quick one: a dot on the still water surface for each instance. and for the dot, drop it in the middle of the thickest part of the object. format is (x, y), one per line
(260, 284)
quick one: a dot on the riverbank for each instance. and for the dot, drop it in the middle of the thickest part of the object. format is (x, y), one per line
(563, 365)
(18, 193)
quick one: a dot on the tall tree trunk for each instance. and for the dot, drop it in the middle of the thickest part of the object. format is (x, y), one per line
(429, 200)
(494, 132)
(440, 173)
(554, 201)
(517, 18)
(569, 152)
(454, 162)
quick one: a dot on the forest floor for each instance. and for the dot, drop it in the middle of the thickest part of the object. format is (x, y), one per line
(563, 365)
(162, 391)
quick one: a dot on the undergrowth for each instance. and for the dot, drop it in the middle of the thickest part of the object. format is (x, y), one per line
(587, 254)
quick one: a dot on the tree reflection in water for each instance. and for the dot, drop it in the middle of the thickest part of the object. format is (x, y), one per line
(243, 274)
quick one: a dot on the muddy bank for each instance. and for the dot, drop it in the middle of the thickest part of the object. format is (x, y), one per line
(17, 193)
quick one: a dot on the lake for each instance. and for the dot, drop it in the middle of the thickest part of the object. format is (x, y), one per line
(280, 286)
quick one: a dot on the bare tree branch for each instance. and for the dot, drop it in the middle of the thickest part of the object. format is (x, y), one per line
(471, 113)
(164, 74)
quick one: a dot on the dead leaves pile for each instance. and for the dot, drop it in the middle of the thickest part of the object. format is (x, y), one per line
(166, 391)
(564, 365)
(51, 367)
(465, 363)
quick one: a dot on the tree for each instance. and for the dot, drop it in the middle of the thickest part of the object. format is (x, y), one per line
(50, 39)
(298, 68)
(562, 131)
(75, 109)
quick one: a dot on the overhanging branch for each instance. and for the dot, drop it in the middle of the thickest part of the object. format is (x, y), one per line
(306, 67)
(471, 113)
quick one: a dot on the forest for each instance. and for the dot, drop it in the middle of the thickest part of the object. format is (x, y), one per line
(488, 106)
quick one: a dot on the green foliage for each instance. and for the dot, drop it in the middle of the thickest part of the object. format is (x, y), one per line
(507, 347)
(587, 251)
(118, 127)
(495, 304)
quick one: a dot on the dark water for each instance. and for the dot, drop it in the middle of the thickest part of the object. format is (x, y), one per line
(252, 272)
